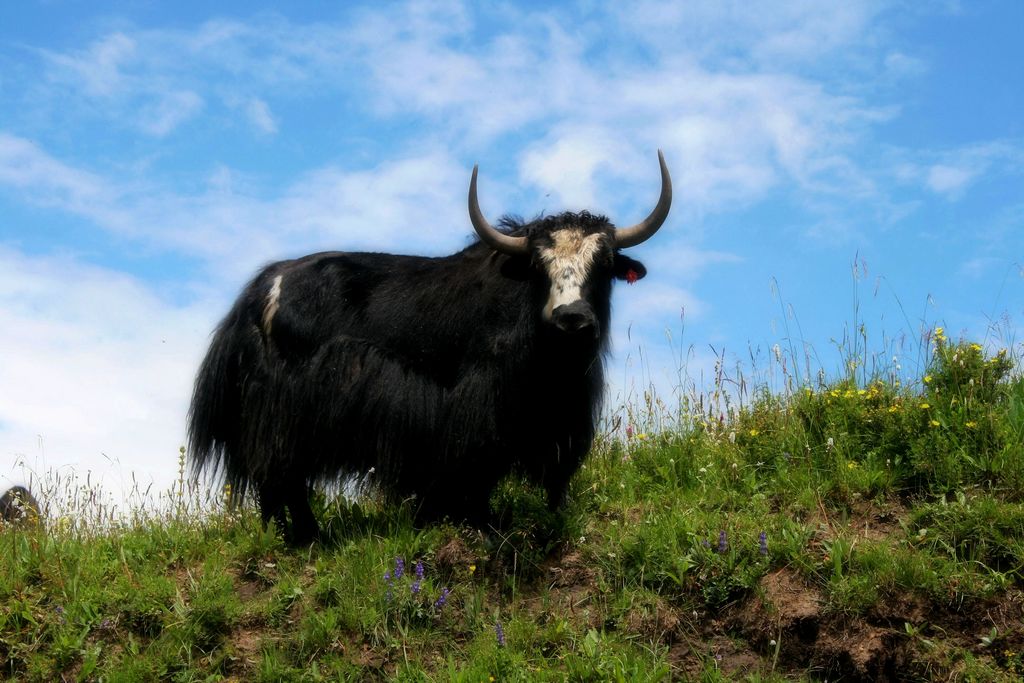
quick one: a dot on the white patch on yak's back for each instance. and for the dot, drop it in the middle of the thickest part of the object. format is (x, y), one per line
(273, 303)
(568, 262)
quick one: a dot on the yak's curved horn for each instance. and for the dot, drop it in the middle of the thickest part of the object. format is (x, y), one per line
(635, 234)
(498, 241)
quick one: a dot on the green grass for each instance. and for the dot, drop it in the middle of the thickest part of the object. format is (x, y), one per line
(749, 539)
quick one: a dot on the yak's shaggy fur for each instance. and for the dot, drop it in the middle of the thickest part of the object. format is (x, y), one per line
(433, 377)
(18, 506)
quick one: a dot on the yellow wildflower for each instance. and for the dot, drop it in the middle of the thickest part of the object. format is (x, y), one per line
(861, 392)
(935, 423)
(975, 347)
(642, 437)
(472, 568)
(754, 432)
(851, 465)
(927, 379)
(971, 424)
(925, 406)
(894, 408)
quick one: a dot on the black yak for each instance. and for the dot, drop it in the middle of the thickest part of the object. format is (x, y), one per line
(416, 376)
(17, 505)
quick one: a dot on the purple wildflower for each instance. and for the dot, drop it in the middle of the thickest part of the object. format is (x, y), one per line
(705, 543)
(419, 569)
(399, 567)
(390, 581)
(723, 545)
(763, 543)
(60, 613)
(499, 632)
(443, 599)
(414, 588)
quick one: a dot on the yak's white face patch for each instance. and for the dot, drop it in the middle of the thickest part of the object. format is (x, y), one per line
(273, 303)
(568, 262)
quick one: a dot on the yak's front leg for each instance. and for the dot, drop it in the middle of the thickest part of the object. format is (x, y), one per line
(271, 502)
(305, 529)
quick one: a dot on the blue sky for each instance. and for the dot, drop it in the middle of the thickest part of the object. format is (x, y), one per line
(153, 156)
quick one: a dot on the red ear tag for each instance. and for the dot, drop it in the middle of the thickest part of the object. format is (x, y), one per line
(631, 276)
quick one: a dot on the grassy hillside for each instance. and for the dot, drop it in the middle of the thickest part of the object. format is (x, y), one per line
(860, 530)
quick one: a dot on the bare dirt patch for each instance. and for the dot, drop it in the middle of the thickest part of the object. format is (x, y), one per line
(656, 623)
(785, 622)
(569, 570)
(729, 655)
(245, 644)
(785, 614)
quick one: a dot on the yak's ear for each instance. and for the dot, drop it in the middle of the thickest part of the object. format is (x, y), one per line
(628, 269)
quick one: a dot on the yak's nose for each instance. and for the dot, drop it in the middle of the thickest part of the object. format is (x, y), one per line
(575, 318)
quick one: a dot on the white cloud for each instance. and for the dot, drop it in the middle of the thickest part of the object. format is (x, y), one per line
(97, 370)
(566, 165)
(720, 89)
(407, 204)
(686, 263)
(657, 300)
(98, 69)
(808, 29)
(25, 166)
(765, 33)
(900, 65)
(168, 111)
(45, 180)
(260, 115)
(256, 110)
(949, 180)
(131, 79)
(951, 173)
(740, 126)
